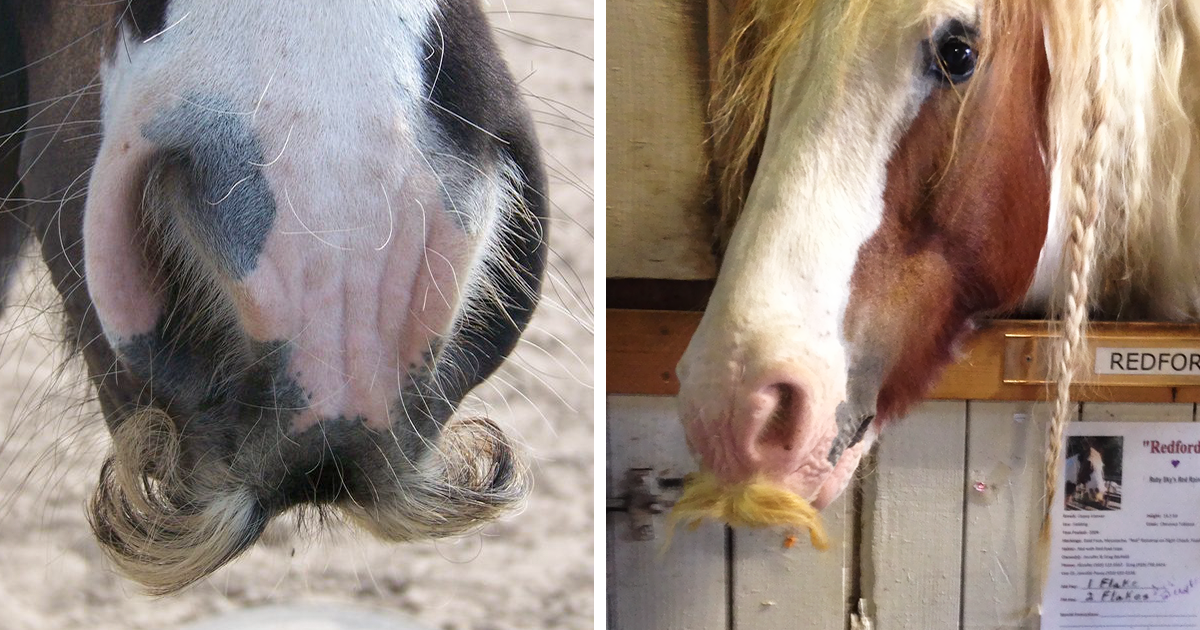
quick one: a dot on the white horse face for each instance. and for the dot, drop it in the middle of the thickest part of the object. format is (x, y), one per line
(310, 229)
(878, 223)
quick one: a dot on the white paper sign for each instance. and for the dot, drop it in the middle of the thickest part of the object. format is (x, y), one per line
(1147, 361)
(1125, 551)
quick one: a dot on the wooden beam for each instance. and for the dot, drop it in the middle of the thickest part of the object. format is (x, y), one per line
(644, 346)
(658, 214)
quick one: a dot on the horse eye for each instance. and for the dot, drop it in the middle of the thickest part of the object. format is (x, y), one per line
(953, 58)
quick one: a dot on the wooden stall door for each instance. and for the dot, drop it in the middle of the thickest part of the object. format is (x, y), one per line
(684, 587)
(941, 533)
(711, 578)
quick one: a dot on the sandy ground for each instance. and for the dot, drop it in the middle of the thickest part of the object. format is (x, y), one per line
(532, 571)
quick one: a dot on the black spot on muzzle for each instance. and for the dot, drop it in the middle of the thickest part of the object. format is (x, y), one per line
(327, 463)
(206, 188)
(850, 433)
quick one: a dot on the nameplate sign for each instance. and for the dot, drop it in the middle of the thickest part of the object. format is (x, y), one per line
(1147, 361)
(1115, 359)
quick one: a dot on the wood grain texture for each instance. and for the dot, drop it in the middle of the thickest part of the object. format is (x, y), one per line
(798, 588)
(1006, 444)
(1130, 412)
(912, 514)
(685, 587)
(644, 346)
(659, 223)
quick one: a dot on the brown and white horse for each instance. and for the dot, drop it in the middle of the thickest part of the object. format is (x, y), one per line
(289, 238)
(892, 171)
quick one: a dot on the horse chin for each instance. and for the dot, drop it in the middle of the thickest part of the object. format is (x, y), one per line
(835, 484)
(167, 520)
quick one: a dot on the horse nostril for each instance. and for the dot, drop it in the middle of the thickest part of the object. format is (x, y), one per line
(784, 406)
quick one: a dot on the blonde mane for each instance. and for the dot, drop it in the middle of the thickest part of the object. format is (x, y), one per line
(762, 33)
(1122, 118)
(1122, 126)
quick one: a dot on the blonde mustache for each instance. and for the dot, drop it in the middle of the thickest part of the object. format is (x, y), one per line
(755, 503)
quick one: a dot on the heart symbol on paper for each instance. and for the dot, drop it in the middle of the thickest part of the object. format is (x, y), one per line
(1175, 463)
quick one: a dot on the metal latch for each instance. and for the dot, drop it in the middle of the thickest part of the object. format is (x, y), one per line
(645, 495)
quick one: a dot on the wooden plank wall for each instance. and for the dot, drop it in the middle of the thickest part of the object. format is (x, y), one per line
(1002, 515)
(948, 520)
(777, 589)
(685, 587)
(913, 519)
(658, 216)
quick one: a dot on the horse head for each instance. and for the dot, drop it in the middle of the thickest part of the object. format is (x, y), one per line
(307, 232)
(890, 173)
